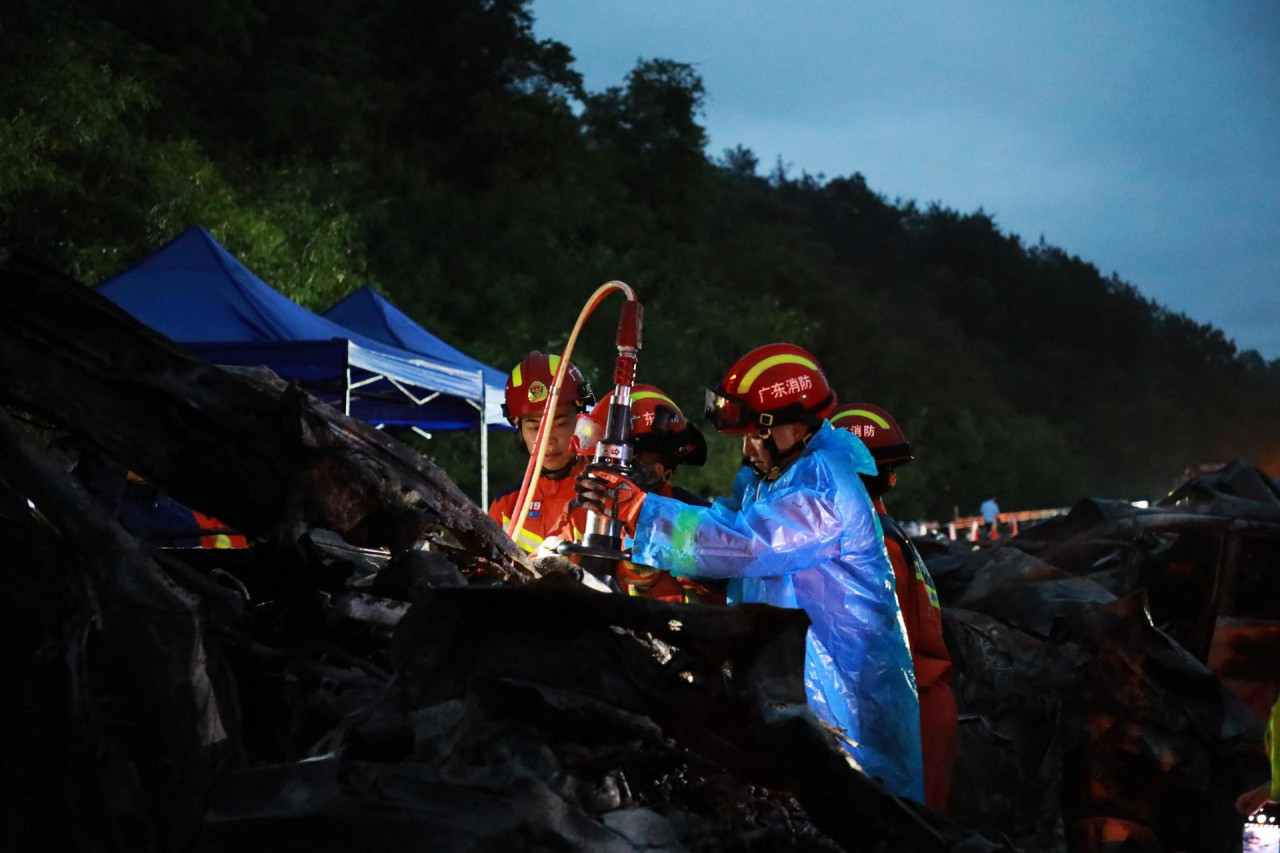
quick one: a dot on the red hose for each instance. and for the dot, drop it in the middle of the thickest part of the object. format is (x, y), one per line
(534, 469)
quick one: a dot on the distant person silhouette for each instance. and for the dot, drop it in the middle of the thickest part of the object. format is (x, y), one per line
(990, 517)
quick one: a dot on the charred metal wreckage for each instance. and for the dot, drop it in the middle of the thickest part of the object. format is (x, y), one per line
(1115, 667)
(280, 695)
(338, 685)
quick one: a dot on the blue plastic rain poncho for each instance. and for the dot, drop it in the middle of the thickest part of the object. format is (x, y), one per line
(811, 539)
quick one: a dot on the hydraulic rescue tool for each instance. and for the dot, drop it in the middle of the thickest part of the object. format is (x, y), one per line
(601, 546)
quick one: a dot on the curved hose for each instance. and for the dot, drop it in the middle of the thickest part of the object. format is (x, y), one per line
(539, 451)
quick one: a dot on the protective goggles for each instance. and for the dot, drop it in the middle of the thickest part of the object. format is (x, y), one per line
(727, 412)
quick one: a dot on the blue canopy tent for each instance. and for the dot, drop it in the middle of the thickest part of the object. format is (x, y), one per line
(367, 312)
(197, 293)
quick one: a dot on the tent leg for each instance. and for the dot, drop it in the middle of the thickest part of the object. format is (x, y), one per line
(484, 448)
(484, 466)
(346, 395)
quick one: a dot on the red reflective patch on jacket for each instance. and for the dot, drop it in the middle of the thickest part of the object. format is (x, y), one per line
(222, 538)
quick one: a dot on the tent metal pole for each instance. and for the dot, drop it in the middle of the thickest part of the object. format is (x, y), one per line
(484, 446)
(346, 395)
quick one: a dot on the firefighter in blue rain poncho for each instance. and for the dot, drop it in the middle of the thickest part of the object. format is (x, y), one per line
(799, 531)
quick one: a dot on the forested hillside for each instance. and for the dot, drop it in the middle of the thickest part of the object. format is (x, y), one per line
(441, 153)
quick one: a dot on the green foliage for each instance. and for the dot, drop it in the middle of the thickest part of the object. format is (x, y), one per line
(86, 184)
(442, 153)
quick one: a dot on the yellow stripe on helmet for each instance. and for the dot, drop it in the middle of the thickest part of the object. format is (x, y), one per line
(773, 361)
(516, 379)
(863, 413)
(554, 362)
(654, 395)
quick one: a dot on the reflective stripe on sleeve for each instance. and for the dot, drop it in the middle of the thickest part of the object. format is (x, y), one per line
(527, 541)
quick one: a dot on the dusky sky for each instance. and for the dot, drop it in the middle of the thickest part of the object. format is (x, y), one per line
(1142, 135)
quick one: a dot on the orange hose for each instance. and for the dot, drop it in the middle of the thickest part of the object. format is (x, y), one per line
(539, 451)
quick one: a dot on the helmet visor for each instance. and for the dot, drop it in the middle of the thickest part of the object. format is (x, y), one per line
(726, 412)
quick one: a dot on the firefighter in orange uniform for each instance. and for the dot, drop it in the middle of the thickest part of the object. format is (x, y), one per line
(662, 439)
(917, 597)
(526, 394)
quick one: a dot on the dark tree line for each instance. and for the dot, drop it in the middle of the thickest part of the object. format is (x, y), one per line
(443, 153)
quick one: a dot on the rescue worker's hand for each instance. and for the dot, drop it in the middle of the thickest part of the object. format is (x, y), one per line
(1250, 801)
(601, 489)
(640, 577)
(547, 547)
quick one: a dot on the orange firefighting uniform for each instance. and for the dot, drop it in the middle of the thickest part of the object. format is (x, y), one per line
(939, 726)
(221, 537)
(546, 512)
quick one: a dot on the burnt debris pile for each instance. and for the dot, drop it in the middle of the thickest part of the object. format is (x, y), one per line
(380, 668)
(1114, 667)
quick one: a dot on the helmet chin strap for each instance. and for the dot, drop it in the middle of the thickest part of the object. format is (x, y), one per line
(559, 473)
(780, 460)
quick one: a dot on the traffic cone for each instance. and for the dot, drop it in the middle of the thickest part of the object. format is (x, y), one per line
(973, 532)
(951, 531)
(1013, 527)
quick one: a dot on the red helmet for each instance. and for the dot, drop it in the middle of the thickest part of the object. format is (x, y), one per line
(657, 425)
(878, 431)
(772, 384)
(530, 383)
